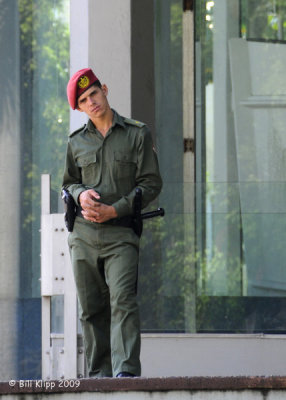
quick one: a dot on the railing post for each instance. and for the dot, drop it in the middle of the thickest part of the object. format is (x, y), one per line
(61, 358)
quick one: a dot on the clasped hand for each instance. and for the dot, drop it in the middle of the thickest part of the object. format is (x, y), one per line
(93, 210)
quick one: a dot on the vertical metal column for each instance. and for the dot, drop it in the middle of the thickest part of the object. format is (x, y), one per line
(46, 300)
(189, 164)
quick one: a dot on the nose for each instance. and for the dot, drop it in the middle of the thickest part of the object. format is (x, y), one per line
(90, 100)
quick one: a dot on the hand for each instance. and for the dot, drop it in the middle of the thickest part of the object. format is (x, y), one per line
(93, 210)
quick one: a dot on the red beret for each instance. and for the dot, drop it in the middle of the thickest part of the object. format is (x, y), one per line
(78, 84)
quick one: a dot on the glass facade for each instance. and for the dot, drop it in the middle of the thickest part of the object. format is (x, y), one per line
(216, 263)
(240, 91)
(34, 124)
(162, 278)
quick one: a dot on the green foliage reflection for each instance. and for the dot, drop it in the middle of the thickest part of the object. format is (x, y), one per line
(44, 72)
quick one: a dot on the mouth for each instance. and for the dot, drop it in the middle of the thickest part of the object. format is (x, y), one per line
(95, 109)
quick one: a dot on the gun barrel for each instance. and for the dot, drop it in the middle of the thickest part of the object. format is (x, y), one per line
(158, 213)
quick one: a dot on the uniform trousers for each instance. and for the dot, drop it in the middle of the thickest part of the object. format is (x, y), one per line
(105, 266)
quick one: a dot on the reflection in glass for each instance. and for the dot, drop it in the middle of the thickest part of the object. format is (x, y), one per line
(241, 173)
(34, 124)
(263, 20)
(161, 300)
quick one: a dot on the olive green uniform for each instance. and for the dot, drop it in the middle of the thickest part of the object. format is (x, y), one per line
(105, 256)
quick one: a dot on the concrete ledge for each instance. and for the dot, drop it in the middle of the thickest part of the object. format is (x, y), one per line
(215, 355)
(145, 385)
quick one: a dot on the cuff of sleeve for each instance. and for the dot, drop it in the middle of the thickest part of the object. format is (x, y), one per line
(122, 207)
(76, 194)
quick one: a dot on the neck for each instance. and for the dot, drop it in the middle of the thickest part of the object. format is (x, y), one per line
(104, 122)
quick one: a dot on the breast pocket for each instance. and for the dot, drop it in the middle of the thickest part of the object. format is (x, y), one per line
(90, 169)
(125, 165)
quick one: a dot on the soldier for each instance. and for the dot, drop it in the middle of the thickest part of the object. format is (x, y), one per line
(106, 160)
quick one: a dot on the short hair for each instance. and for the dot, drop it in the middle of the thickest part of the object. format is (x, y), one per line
(97, 83)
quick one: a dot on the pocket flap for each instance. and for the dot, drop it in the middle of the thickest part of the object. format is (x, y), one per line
(86, 159)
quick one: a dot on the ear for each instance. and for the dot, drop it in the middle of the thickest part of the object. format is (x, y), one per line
(104, 88)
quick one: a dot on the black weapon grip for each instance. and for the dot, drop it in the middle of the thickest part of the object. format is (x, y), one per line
(70, 209)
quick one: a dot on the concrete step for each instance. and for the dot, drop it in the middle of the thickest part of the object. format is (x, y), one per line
(169, 388)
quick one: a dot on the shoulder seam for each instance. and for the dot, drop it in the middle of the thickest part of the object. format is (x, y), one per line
(134, 122)
(77, 131)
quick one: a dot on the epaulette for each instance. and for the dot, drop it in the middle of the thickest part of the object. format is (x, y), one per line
(77, 131)
(134, 122)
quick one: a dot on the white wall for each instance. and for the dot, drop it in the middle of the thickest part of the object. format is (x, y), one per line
(78, 48)
(100, 39)
(109, 49)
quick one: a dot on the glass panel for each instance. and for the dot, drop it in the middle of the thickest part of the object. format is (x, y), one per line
(33, 121)
(240, 163)
(57, 314)
(227, 274)
(44, 49)
(161, 265)
(263, 19)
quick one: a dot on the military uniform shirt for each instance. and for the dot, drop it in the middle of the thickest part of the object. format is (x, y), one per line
(113, 165)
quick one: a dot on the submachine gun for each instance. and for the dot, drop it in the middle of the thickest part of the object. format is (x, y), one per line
(137, 217)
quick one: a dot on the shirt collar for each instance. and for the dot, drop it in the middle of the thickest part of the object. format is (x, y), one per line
(117, 120)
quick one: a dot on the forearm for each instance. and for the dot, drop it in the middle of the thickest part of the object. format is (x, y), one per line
(150, 190)
(75, 190)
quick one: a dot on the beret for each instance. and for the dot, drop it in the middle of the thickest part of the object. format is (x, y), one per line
(78, 84)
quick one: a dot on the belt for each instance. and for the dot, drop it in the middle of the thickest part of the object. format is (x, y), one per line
(126, 222)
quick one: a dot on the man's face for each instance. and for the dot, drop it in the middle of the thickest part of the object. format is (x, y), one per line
(94, 101)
